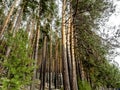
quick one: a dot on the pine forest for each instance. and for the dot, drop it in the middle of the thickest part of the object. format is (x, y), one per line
(55, 45)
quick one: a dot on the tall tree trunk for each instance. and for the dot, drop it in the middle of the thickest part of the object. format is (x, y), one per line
(68, 52)
(66, 81)
(42, 84)
(74, 76)
(36, 57)
(56, 64)
(8, 18)
(60, 66)
(50, 61)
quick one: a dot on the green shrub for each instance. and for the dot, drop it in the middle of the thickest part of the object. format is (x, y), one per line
(18, 65)
(83, 85)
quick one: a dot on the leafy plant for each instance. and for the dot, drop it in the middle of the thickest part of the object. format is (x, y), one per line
(83, 85)
(18, 65)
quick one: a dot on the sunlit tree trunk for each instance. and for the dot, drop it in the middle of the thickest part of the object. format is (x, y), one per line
(68, 51)
(74, 76)
(36, 57)
(66, 81)
(8, 18)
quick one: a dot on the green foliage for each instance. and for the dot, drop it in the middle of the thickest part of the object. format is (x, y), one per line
(91, 51)
(83, 85)
(18, 65)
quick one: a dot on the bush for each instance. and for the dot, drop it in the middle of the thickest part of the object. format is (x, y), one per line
(83, 85)
(18, 65)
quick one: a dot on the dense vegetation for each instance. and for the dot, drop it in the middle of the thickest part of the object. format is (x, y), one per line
(41, 48)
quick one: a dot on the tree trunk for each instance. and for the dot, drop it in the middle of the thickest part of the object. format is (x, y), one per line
(56, 64)
(36, 58)
(60, 66)
(42, 84)
(74, 76)
(69, 53)
(64, 51)
(82, 71)
(8, 18)
(50, 61)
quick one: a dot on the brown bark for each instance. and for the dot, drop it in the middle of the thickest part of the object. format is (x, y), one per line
(60, 64)
(42, 84)
(36, 57)
(8, 18)
(82, 71)
(56, 64)
(74, 76)
(66, 81)
(50, 63)
(68, 52)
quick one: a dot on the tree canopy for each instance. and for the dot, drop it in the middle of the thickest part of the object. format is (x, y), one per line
(42, 49)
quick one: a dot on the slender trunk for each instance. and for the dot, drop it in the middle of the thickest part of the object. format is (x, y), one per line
(30, 36)
(42, 85)
(82, 71)
(36, 57)
(8, 18)
(60, 66)
(33, 44)
(32, 32)
(50, 61)
(77, 69)
(46, 68)
(56, 64)
(64, 51)
(74, 76)
(69, 53)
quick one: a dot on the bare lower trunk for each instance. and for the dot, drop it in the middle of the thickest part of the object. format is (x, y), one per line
(69, 53)
(66, 81)
(50, 61)
(82, 71)
(36, 58)
(42, 84)
(56, 64)
(74, 76)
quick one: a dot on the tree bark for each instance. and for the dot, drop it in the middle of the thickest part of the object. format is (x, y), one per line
(36, 58)
(8, 18)
(42, 84)
(74, 76)
(68, 52)
(82, 71)
(56, 64)
(66, 81)
(50, 61)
